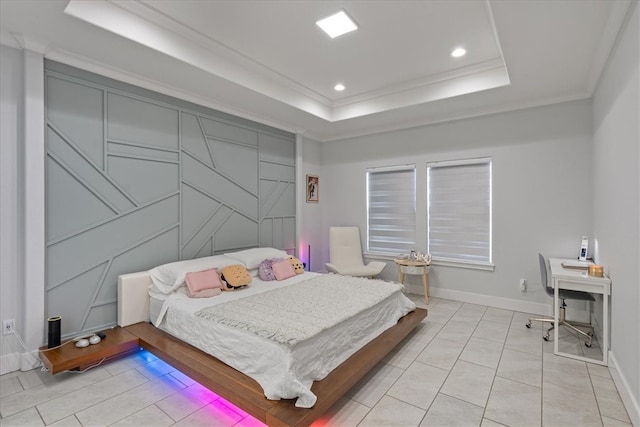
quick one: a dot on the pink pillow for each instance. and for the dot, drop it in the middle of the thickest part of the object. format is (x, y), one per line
(283, 270)
(207, 293)
(202, 280)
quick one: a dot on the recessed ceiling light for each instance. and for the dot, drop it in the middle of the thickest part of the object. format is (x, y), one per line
(458, 52)
(339, 87)
(337, 24)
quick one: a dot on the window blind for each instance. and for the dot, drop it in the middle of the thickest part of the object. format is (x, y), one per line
(391, 210)
(459, 211)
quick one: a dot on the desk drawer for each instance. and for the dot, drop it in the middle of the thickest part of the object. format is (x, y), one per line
(411, 269)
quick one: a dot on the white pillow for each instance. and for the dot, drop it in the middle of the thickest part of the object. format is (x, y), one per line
(167, 278)
(251, 258)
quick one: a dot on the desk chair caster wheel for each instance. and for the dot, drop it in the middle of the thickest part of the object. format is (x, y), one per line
(528, 325)
(546, 338)
(587, 344)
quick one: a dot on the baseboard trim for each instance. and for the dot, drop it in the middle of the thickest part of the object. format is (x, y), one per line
(9, 363)
(19, 362)
(631, 404)
(30, 360)
(492, 301)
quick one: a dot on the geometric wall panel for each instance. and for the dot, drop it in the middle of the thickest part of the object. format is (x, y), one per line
(197, 208)
(72, 299)
(276, 150)
(237, 231)
(229, 132)
(89, 247)
(143, 179)
(192, 138)
(218, 186)
(77, 110)
(281, 202)
(277, 172)
(215, 221)
(142, 122)
(233, 161)
(77, 206)
(69, 154)
(137, 179)
(149, 153)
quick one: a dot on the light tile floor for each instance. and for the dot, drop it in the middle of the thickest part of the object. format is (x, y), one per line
(465, 365)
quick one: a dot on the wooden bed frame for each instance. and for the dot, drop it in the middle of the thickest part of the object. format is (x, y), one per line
(236, 387)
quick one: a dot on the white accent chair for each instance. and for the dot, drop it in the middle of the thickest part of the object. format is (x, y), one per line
(345, 254)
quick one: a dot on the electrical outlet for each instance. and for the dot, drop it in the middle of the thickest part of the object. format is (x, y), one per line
(8, 326)
(523, 285)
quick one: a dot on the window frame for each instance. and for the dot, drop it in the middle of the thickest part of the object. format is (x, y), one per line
(457, 262)
(409, 245)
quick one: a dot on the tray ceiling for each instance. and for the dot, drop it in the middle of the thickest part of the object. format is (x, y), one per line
(268, 61)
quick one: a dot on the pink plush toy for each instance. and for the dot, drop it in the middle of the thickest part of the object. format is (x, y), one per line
(265, 270)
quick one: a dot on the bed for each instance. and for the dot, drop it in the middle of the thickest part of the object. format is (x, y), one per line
(279, 378)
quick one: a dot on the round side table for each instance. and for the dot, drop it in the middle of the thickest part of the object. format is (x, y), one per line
(418, 268)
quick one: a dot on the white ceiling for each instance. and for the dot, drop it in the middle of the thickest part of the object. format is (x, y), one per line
(268, 61)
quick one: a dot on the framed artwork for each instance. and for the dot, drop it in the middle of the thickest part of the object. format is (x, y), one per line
(313, 189)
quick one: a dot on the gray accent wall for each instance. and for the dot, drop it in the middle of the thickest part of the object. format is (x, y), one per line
(135, 179)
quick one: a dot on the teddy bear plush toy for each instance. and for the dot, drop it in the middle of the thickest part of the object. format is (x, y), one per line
(296, 264)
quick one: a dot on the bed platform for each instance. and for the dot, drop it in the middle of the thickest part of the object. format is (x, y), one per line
(245, 393)
(238, 388)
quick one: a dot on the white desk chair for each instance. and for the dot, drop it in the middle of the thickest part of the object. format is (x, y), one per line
(345, 254)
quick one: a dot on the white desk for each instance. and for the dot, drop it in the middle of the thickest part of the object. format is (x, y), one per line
(579, 280)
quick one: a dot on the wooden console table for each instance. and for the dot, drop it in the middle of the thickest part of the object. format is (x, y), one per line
(117, 343)
(406, 266)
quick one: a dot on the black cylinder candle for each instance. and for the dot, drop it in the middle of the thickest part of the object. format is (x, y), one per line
(54, 331)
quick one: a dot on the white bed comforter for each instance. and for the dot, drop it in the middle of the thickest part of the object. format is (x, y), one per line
(284, 371)
(320, 303)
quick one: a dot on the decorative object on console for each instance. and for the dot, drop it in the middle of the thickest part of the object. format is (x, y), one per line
(85, 342)
(54, 324)
(596, 270)
(419, 256)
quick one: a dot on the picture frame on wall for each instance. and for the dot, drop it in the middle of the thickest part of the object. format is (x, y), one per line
(313, 189)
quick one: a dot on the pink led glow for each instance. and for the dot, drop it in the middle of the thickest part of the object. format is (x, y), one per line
(214, 410)
(304, 254)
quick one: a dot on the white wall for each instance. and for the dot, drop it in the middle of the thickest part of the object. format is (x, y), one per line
(616, 203)
(11, 122)
(541, 196)
(310, 214)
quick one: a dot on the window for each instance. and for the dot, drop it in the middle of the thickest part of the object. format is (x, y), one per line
(459, 211)
(391, 209)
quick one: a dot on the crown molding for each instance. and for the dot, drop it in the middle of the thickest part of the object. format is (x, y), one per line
(119, 74)
(451, 117)
(32, 43)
